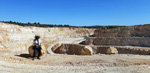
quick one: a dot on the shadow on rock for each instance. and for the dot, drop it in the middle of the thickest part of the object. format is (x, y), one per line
(91, 35)
(23, 55)
(82, 43)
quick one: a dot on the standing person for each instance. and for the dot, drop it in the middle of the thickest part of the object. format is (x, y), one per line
(37, 47)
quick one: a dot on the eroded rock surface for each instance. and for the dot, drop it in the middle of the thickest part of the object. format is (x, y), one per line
(133, 31)
(17, 38)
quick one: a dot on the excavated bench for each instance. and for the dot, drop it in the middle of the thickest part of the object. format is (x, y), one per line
(123, 50)
(119, 41)
(77, 49)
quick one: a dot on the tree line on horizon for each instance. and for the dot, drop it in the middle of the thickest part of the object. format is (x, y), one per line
(37, 24)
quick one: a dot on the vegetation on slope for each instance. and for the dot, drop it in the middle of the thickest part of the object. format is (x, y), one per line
(37, 24)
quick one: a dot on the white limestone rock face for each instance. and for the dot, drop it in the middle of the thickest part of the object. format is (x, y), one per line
(17, 38)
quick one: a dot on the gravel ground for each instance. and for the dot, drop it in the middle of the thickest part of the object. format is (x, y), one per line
(100, 63)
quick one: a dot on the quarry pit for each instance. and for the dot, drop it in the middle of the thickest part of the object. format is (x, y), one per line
(72, 50)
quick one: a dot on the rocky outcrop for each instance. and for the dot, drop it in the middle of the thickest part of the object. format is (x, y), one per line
(17, 38)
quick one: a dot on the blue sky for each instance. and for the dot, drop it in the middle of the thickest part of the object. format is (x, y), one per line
(77, 12)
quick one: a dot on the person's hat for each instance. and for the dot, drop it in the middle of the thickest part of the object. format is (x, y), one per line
(37, 36)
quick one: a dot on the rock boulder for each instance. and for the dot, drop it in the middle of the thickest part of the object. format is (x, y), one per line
(111, 50)
(31, 51)
(87, 50)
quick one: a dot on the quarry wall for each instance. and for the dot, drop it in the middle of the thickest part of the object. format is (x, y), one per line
(132, 31)
(17, 38)
(138, 35)
(119, 41)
